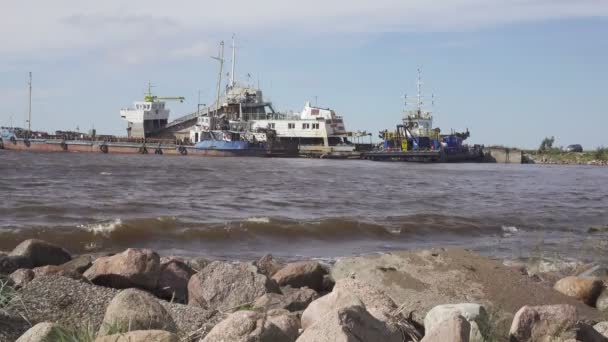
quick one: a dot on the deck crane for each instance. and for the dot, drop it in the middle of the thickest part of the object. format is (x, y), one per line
(148, 97)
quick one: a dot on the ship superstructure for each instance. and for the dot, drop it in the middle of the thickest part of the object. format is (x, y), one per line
(147, 117)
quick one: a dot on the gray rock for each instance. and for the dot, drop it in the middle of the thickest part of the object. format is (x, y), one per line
(586, 333)
(292, 299)
(602, 328)
(79, 264)
(532, 323)
(225, 286)
(22, 276)
(454, 329)
(337, 299)
(350, 323)
(58, 270)
(134, 309)
(198, 263)
(140, 336)
(378, 303)
(11, 263)
(268, 265)
(173, 280)
(287, 322)
(301, 274)
(328, 283)
(475, 314)
(41, 253)
(602, 301)
(247, 326)
(132, 268)
(7, 265)
(40, 332)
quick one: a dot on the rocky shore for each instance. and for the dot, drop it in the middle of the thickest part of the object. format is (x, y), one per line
(47, 294)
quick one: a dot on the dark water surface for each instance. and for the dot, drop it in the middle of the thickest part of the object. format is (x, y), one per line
(245, 207)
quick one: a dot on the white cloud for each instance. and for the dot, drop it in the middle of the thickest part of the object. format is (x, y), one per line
(64, 27)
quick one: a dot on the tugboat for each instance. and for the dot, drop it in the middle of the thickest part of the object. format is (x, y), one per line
(416, 140)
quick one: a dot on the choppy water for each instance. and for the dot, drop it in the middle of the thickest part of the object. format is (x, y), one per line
(245, 207)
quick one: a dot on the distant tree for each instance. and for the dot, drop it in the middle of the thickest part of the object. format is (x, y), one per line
(547, 144)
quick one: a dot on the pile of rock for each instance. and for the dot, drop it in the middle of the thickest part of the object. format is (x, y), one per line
(426, 296)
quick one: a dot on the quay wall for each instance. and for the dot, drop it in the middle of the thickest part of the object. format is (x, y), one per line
(502, 155)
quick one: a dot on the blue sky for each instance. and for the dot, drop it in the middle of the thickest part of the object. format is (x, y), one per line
(512, 72)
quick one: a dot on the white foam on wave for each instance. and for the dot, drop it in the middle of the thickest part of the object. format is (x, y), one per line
(258, 220)
(105, 173)
(510, 229)
(102, 228)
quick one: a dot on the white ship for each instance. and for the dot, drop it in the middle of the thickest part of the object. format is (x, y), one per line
(148, 116)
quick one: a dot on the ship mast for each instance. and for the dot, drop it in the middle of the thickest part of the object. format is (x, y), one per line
(233, 61)
(29, 119)
(419, 89)
(219, 58)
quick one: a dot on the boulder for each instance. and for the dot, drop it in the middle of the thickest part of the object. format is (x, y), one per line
(22, 276)
(581, 332)
(454, 329)
(173, 280)
(602, 328)
(586, 290)
(337, 299)
(475, 314)
(378, 303)
(246, 326)
(41, 253)
(7, 265)
(134, 309)
(287, 322)
(291, 300)
(328, 283)
(140, 336)
(350, 323)
(300, 274)
(58, 270)
(79, 264)
(40, 332)
(601, 302)
(531, 323)
(226, 286)
(131, 268)
(421, 280)
(11, 263)
(198, 263)
(268, 265)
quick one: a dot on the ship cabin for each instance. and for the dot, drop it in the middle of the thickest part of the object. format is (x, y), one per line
(145, 118)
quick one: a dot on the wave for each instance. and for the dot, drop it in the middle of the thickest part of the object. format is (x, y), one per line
(118, 233)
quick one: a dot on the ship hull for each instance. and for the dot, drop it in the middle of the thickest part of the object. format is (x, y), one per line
(77, 146)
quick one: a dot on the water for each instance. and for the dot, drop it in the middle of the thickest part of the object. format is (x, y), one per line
(244, 207)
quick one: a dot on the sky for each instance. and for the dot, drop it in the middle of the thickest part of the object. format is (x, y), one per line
(510, 71)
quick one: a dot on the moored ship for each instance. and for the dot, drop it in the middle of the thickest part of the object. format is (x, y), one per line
(416, 140)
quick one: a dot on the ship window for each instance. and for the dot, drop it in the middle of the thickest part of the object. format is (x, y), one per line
(271, 125)
(291, 125)
(315, 126)
(305, 126)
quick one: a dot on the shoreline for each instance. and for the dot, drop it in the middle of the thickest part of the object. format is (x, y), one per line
(204, 298)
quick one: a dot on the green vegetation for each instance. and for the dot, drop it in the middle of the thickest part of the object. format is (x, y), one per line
(601, 153)
(546, 144)
(84, 333)
(81, 334)
(10, 301)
